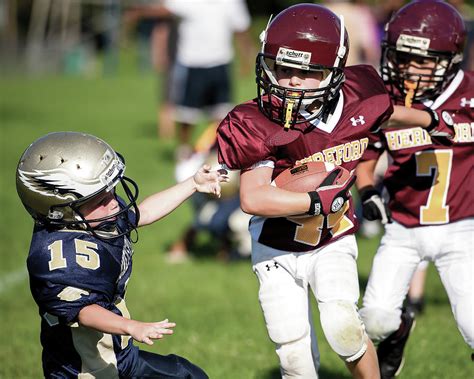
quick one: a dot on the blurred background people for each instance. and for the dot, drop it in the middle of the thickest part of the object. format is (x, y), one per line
(361, 26)
(200, 79)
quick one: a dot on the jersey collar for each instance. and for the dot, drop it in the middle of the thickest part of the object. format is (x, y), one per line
(453, 86)
(333, 119)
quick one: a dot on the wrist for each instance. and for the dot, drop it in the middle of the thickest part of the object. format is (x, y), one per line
(315, 207)
(367, 192)
(128, 326)
(434, 119)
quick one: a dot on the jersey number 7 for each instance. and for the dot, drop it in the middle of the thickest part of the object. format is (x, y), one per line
(437, 163)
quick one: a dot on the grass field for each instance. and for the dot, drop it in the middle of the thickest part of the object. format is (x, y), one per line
(215, 305)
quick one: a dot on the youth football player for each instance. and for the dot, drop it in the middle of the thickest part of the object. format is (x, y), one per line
(429, 183)
(80, 258)
(309, 108)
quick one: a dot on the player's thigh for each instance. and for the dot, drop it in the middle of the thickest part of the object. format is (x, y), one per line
(283, 298)
(392, 269)
(333, 273)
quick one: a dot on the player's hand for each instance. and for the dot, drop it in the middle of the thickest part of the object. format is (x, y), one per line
(441, 129)
(146, 332)
(330, 197)
(208, 181)
(373, 207)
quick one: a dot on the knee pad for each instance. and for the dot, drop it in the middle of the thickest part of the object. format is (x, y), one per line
(380, 323)
(343, 329)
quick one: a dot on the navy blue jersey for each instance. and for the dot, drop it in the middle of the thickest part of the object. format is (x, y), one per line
(68, 270)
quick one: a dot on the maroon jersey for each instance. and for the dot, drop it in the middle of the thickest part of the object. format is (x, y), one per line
(246, 137)
(429, 183)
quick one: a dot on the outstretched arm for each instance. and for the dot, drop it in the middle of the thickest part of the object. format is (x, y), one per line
(403, 116)
(96, 317)
(437, 125)
(164, 202)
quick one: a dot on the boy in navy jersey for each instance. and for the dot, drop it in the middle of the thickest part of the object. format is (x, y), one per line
(80, 257)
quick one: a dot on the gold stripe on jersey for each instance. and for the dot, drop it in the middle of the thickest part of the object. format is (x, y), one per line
(345, 152)
(122, 307)
(97, 353)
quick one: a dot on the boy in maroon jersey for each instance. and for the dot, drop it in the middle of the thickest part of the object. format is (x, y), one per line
(309, 108)
(429, 184)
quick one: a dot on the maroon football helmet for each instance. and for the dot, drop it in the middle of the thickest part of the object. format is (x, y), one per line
(420, 32)
(307, 37)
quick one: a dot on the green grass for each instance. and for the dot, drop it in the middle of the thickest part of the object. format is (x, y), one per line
(220, 326)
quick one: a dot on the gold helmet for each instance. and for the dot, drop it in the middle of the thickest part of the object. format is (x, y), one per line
(61, 171)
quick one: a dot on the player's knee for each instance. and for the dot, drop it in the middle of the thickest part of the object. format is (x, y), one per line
(344, 329)
(380, 323)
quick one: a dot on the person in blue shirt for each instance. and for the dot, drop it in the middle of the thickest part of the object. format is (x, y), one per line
(80, 258)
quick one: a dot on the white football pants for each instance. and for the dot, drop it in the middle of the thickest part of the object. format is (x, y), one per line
(450, 247)
(285, 278)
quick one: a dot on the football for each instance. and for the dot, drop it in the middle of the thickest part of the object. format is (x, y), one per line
(304, 178)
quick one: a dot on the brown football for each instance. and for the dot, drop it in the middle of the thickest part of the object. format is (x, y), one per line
(303, 178)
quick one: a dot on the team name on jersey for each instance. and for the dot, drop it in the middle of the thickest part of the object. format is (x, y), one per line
(415, 137)
(407, 138)
(464, 132)
(345, 152)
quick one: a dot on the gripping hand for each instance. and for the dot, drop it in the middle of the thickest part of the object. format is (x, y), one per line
(373, 207)
(441, 128)
(332, 193)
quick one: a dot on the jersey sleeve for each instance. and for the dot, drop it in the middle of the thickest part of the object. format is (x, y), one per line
(374, 149)
(71, 273)
(240, 145)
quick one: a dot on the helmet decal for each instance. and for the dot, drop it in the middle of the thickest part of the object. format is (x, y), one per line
(51, 183)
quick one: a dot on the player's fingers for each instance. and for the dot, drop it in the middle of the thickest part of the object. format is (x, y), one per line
(166, 331)
(217, 190)
(224, 178)
(148, 341)
(165, 324)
